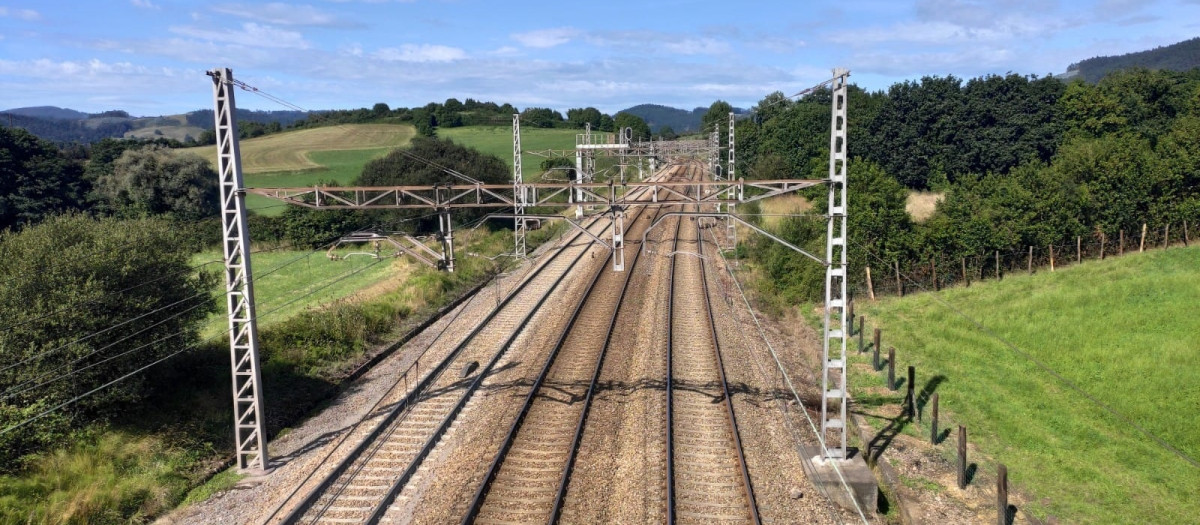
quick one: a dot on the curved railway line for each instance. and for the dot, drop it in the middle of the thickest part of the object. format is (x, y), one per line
(528, 479)
(707, 478)
(362, 486)
(701, 471)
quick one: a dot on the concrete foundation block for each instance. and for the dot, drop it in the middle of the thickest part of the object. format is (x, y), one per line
(857, 475)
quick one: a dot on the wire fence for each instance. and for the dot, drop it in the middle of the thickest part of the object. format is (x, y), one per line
(941, 271)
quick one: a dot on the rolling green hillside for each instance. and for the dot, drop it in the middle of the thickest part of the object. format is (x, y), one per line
(497, 140)
(1122, 330)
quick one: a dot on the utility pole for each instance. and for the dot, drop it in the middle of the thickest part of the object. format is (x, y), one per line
(250, 437)
(731, 174)
(520, 194)
(833, 364)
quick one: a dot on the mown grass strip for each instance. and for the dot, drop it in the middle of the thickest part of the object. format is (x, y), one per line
(1122, 330)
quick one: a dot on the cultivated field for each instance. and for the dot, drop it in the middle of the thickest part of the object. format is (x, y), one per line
(497, 140)
(290, 151)
(1121, 330)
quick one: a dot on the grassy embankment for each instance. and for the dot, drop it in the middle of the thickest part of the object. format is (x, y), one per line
(1123, 330)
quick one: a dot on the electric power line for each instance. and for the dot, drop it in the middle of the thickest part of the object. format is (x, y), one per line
(173, 354)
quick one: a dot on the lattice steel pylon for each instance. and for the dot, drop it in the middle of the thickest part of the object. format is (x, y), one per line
(248, 416)
(731, 174)
(833, 365)
(520, 191)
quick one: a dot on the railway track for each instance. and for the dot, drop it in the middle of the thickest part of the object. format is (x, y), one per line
(528, 479)
(362, 486)
(707, 479)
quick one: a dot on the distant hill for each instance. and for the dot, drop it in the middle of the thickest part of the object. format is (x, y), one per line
(49, 112)
(1183, 56)
(680, 120)
(656, 116)
(67, 125)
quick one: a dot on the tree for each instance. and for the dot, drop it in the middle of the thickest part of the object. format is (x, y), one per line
(541, 117)
(421, 164)
(666, 133)
(70, 283)
(581, 117)
(717, 117)
(380, 109)
(623, 120)
(36, 180)
(157, 181)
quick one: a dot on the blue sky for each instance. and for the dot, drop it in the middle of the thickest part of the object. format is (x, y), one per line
(149, 56)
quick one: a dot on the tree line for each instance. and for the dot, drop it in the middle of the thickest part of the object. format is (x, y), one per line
(1020, 161)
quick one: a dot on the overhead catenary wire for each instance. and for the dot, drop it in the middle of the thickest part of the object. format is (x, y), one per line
(142, 315)
(160, 360)
(1045, 368)
(788, 381)
(130, 288)
(47, 353)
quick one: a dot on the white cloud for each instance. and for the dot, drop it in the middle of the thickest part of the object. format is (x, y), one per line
(22, 14)
(251, 34)
(279, 13)
(144, 4)
(696, 46)
(546, 38)
(420, 53)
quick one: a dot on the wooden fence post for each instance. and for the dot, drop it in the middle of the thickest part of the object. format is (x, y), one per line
(851, 316)
(1030, 259)
(1051, 257)
(1121, 244)
(1002, 495)
(966, 280)
(892, 368)
(1142, 246)
(1078, 249)
(875, 344)
(1103, 243)
(1166, 236)
(933, 421)
(861, 324)
(933, 268)
(899, 285)
(870, 285)
(875, 357)
(1185, 234)
(912, 399)
(997, 265)
(962, 457)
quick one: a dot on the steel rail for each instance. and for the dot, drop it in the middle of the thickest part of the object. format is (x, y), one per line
(729, 412)
(482, 492)
(730, 416)
(298, 512)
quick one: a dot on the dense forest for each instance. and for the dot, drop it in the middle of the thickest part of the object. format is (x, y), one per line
(1182, 56)
(1021, 161)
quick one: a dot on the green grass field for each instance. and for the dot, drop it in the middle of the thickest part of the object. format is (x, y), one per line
(300, 273)
(498, 141)
(1123, 330)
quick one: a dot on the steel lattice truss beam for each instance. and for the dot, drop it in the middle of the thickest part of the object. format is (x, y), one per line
(658, 148)
(548, 194)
